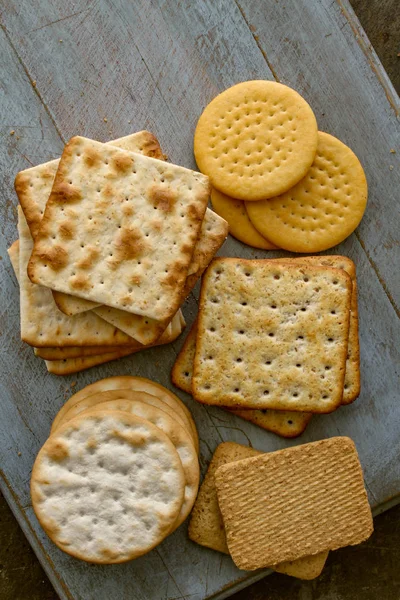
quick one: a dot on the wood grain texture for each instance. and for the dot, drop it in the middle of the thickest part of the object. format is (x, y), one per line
(155, 66)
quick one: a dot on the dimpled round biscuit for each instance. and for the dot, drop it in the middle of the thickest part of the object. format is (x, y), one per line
(107, 486)
(176, 433)
(256, 140)
(240, 226)
(137, 384)
(323, 209)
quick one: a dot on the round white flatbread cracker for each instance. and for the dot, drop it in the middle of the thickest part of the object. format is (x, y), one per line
(177, 434)
(107, 486)
(138, 384)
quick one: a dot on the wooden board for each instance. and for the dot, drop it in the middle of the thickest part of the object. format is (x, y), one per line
(105, 68)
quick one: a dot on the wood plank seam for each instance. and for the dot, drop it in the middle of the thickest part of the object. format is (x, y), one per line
(31, 81)
(370, 54)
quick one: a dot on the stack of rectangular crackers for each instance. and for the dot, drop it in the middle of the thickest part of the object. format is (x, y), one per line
(284, 510)
(275, 340)
(111, 241)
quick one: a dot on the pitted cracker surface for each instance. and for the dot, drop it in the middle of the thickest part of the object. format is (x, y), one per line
(181, 439)
(352, 384)
(272, 335)
(323, 209)
(256, 139)
(286, 423)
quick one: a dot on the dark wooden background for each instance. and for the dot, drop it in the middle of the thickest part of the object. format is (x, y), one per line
(367, 572)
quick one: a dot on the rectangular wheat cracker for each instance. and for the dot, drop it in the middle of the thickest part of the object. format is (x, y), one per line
(206, 526)
(299, 501)
(352, 384)
(214, 231)
(137, 219)
(43, 325)
(287, 424)
(272, 335)
(74, 365)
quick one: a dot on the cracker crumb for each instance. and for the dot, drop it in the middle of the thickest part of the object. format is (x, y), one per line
(391, 167)
(60, 41)
(19, 453)
(129, 122)
(12, 132)
(392, 151)
(105, 119)
(34, 83)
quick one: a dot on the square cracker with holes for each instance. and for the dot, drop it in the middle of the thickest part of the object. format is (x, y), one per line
(294, 502)
(352, 382)
(206, 526)
(285, 423)
(272, 336)
(33, 187)
(119, 228)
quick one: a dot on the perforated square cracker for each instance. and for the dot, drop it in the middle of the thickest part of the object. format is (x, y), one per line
(352, 382)
(119, 228)
(285, 423)
(272, 336)
(293, 502)
(42, 324)
(213, 233)
(206, 526)
(34, 185)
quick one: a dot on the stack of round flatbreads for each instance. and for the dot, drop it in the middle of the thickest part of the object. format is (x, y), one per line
(277, 180)
(119, 471)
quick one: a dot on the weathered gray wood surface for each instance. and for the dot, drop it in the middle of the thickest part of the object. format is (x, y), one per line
(156, 65)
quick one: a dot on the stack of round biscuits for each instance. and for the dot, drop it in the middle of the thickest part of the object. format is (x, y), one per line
(277, 180)
(119, 471)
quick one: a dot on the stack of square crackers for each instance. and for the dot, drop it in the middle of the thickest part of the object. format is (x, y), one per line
(111, 241)
(275, 340)
(284, 510)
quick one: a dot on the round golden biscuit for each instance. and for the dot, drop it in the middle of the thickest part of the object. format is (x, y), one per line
(240, 226)
(323, 209)
(256, 140)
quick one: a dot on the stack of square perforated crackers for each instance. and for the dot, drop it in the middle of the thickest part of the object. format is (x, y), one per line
(111, 241)
(275, 340)
(284, 510)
